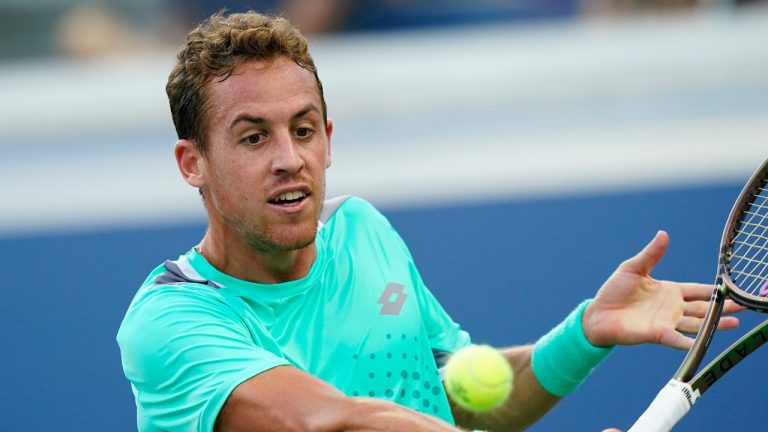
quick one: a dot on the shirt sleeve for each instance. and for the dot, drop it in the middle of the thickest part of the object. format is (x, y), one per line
(445, 335)
(184, 350)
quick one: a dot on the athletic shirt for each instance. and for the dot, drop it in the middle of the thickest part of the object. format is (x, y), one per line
(361, 319)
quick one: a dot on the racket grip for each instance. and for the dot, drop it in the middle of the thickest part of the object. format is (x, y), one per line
(669, 406)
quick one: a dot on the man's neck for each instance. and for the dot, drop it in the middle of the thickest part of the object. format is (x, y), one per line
(236, 258)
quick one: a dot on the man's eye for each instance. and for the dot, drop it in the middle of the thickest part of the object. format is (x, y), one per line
(303, 132)
(254, 139)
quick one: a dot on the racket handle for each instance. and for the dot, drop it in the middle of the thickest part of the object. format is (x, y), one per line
(669, 406)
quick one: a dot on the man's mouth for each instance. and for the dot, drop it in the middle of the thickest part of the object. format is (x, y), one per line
(289, 198)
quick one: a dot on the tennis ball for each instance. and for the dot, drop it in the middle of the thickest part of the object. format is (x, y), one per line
(478, 378)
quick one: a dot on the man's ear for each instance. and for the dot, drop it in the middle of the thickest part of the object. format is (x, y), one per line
(328, 133)
(190, 161)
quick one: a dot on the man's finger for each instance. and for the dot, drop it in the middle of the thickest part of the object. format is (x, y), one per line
(646, 259)
(674, 339)
(696, 291)
(696, 308)
(731, 307)
(727, 323)
(688, 324)
(691, 324)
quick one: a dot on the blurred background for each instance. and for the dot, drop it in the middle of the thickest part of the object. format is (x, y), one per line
(522, 148)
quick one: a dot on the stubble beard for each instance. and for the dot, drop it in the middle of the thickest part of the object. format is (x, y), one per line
(260, 241)
(263, 243)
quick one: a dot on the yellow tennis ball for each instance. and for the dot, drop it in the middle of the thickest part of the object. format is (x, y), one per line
(478, 378)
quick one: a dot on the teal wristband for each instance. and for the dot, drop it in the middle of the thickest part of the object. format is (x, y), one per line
(564, 358)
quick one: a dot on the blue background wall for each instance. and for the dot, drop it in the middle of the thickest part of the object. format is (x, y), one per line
(506, 270)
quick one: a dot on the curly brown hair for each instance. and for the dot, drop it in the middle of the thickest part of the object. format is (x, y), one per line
(214, 49)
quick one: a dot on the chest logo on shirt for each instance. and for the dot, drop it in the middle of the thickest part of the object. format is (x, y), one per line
(392, 299)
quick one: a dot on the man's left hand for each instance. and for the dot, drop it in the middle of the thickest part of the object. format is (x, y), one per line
(633, 308)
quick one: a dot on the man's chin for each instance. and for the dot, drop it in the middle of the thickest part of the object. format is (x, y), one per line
(292, 246)
(282, 241)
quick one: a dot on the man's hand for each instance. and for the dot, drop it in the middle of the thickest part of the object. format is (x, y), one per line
(633, 308)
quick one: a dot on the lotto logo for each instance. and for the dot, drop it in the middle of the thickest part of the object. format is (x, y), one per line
(392, 299)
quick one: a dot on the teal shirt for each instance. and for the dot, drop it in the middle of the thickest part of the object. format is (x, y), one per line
(362, 319)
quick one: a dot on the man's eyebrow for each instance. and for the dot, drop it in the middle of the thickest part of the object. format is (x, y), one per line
(306, 110)
(247, 118)
(261, 120)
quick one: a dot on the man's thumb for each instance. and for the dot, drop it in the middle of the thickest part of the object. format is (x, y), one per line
(646, 259)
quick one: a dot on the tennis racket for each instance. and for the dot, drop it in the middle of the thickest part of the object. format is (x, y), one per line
(742, 275)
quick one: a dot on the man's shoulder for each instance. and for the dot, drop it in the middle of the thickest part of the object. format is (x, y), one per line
(174, 282)
(356, 224)
(349, 207)
(155, 308)
(164, 296)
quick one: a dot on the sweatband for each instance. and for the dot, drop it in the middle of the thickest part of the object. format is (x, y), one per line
(563, 358)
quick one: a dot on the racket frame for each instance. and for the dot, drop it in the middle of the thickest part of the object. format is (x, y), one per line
(724, 286)
(730, 357)
(704, 337)
(684, 389)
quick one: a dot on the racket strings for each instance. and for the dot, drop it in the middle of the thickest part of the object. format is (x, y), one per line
(748, 258)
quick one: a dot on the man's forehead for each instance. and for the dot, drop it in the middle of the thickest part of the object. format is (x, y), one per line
(267, 75)
(278, 82)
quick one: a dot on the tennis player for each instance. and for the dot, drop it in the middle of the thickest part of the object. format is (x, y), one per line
(297, 313)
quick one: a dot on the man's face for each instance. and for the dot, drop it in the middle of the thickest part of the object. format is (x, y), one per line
(267, 150)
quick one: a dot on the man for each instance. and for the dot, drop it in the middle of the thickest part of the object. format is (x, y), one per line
(298, 314)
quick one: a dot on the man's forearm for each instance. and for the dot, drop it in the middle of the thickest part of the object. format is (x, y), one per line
(285, 399)
(374, 415)
(527, 403)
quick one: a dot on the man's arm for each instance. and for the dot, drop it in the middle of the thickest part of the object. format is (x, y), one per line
(285, 399)
(630, 308)
(527, 403)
